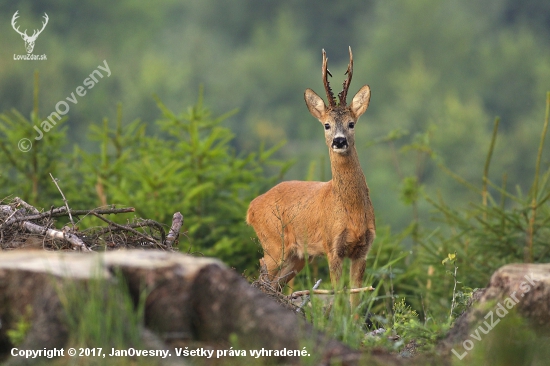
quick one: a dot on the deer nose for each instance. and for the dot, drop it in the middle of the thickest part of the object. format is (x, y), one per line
(339, 143)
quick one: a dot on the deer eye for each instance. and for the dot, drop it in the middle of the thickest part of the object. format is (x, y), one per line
(327, 126)
(351, 125)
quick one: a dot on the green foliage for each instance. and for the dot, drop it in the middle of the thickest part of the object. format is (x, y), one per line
(408, 326)
(462, 300)
(403, 317)
(410, 190)
(512, 224)
(190, 167)
(451, 259)
(33, 166)
(101, 313)
(404, 328)
(22, 327)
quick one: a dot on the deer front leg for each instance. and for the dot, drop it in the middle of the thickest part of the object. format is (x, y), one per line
(357, 272)
(289, 269)
(280, 273)
(335, 268)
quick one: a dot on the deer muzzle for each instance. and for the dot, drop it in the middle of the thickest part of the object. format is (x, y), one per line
(339, 143)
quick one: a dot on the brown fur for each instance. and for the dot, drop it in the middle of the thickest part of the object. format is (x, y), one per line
(335, 218)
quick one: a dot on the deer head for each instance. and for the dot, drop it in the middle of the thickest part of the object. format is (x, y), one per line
(338, 119)
(29, 40)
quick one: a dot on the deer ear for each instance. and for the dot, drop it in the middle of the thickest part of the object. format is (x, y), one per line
(360, 101)
(315, 104)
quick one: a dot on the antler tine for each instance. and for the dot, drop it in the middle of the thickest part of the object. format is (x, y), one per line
(46, 21)
(330, 94)
(345, 86)
(35, 34)
(14, 20)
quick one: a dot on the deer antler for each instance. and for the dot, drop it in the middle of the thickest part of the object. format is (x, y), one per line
(345, 86)
(330, 94)
(43, 26)
(13, 19)
(35, 33)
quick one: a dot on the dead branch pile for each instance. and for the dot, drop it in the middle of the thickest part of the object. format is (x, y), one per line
(23, 226)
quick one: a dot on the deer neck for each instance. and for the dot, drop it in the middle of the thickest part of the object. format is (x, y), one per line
(348, 180)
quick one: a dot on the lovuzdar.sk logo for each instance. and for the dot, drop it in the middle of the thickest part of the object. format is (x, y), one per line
(29, 40)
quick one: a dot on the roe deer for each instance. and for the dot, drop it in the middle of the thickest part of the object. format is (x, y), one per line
(335, 218)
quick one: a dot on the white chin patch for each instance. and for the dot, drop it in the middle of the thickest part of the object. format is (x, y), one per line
(340, 151)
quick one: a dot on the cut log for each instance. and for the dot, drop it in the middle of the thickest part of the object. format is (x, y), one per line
(189, 299)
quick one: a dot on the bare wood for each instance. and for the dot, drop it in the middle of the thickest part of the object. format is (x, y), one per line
(8, 210)
(173, 234)
(56, 234)
(64, 199)
(24, 204)
(306, 300)
(301, 293)
(296, 220)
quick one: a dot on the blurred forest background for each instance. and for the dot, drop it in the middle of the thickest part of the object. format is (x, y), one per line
(440, 72)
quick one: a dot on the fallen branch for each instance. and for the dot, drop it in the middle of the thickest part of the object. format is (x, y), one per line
(174, 233)
(8, 210)
(297, 294)
(64, 199)
(306, 299)
(24, 204)
(56, 234)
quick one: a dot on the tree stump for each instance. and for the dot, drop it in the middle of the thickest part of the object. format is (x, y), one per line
(189, 299)
(520, 289)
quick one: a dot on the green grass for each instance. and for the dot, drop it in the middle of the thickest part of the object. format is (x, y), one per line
(100, 313)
